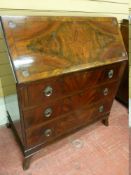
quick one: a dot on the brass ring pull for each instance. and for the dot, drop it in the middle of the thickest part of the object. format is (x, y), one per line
(48, 112)
(101, 108)
(106, 91)
(48, 91)
(48, 132)
(110, 73)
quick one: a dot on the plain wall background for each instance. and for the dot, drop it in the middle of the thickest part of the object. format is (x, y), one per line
(116, 8)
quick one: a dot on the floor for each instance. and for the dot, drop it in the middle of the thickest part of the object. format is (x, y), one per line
(94, 150)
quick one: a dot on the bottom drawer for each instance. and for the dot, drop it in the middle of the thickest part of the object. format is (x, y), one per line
(76, 119)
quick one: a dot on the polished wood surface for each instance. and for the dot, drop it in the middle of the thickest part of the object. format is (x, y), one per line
(42, 47)
(69, 122)
(32, 94)
(68, 70)
(35, 116)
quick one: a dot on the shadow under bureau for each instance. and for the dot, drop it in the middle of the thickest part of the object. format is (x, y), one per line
(65, 73)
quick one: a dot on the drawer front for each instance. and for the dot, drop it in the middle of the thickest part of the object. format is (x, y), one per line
(47, 112)
(52, 89)
(76, 119)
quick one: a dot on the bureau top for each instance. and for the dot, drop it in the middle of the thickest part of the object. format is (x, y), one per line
(42, 47)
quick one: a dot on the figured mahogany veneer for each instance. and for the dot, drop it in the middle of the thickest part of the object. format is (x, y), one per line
(68, 84)
(35, 116)
(43, 47)
(67, 123)
(66, 70)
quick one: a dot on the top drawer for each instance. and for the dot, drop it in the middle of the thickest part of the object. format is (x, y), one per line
(51, 89)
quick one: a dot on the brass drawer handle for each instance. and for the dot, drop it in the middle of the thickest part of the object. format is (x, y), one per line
(48, 112)
(48, 132)
(106, 91)
(110, 73)
(48, 91)
(101, 108)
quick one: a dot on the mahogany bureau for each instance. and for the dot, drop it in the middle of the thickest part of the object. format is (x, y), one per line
(66, 72)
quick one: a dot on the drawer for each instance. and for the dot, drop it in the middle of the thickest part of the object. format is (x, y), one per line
(59, 87)
(58, 127)
(47, 112)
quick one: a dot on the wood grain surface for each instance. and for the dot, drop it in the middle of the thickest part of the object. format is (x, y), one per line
(32, 94)
(64, 64)
(42, 47)
(35, 116)
(67, 124)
